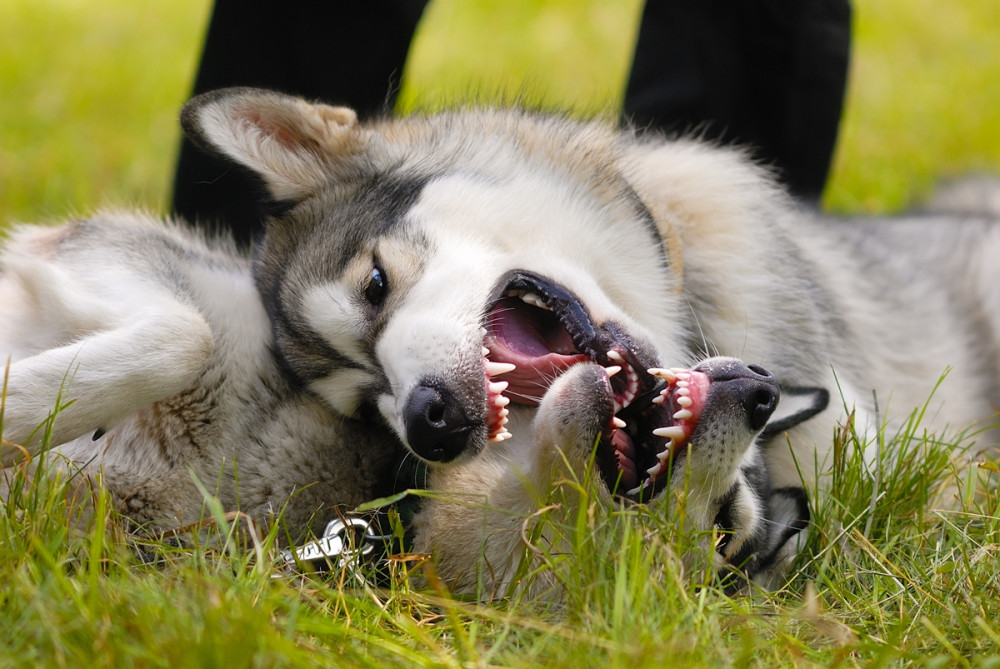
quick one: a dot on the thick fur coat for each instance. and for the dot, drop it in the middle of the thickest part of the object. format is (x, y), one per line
(499, 294)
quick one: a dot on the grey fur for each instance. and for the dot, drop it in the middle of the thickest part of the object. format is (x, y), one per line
(308, 369)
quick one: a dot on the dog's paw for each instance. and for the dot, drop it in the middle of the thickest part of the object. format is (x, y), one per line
(577, 409)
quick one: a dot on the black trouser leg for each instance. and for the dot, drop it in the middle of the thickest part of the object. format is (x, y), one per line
(768, 73)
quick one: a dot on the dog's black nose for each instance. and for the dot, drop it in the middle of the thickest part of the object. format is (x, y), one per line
(436, 427)
(760, 397)
(754, 388)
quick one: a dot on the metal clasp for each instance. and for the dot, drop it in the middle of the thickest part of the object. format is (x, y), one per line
(346, 543)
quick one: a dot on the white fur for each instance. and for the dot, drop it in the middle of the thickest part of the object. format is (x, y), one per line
(193, 363)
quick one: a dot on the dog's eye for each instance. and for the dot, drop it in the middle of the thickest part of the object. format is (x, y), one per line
(376, 288)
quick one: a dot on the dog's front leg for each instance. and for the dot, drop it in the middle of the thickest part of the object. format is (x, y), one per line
(101, 378)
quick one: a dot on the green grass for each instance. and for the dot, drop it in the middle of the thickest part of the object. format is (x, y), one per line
(89, 93)
(888, 579)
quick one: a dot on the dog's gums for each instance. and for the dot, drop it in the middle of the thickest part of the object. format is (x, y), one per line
(536, 330)
(682, 400)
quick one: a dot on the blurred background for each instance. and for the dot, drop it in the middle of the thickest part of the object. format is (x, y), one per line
(90, 90)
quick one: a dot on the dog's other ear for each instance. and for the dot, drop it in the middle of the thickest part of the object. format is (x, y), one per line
(787, 519)
(797, 405)
(293, 145)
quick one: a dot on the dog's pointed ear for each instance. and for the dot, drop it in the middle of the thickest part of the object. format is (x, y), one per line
(293, 145)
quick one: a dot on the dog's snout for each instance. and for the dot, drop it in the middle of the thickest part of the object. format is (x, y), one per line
(436, 427)
(751, 386)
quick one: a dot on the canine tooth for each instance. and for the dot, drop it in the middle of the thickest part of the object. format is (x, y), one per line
(498, 386)
(683, 414)
(664, 374)
(615, 356)
(497, 368)
(675, 432)
(612, 370)
(636, 490)
(618, 422)
(684, 401)
(655, 469)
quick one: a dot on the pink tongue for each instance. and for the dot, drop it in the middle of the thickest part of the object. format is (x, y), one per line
(535, 342)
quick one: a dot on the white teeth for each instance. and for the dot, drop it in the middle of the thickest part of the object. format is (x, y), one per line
(659, 399)
(681, 385)
(502, 435)
(684, 401)
(497, 368)
(674, 432)
(612, 370)
(618, 422)
(498, 387)
(534, 300)
(636, 490)
(664, 455)
(655, 469)
(683, 391)
(501, 401)
(615, 356)
(503, 413)
(486, 351)
(664, 374)
(683, 414)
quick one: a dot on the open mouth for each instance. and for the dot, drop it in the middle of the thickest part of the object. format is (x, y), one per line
(536, 330)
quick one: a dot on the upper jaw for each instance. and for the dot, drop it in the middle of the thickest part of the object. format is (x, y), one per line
(542, 328)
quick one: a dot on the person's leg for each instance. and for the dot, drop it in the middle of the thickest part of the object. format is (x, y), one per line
(350, 53)
(770, 74)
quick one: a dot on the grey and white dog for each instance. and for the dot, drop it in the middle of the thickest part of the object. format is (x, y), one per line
(501, 294)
